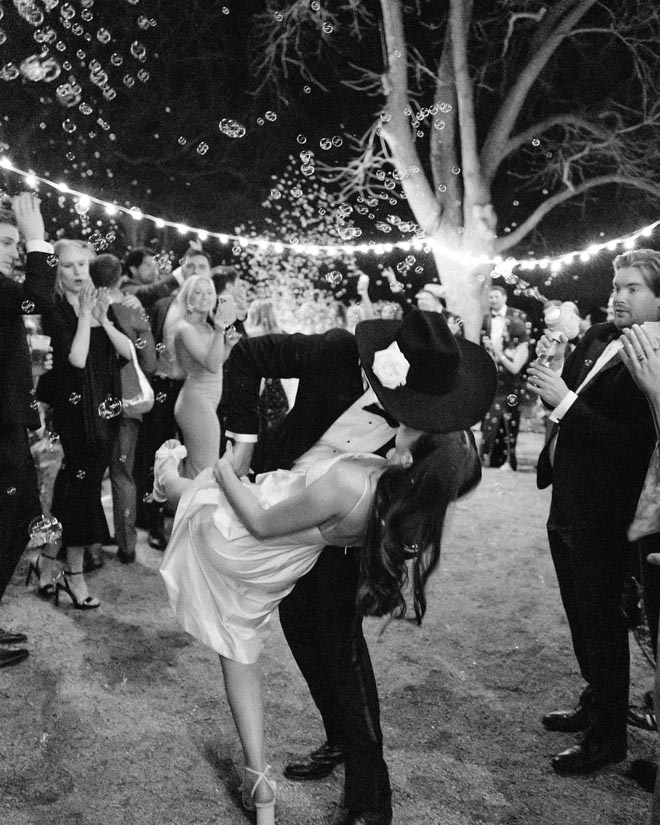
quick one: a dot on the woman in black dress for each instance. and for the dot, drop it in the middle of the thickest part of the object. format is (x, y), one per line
(84, 392)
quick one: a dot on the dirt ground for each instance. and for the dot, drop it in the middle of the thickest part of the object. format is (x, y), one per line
(118, 717)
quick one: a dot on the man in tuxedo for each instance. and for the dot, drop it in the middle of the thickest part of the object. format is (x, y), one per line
(596, 459)
(334, 413)
(505, 337)
(19, 494)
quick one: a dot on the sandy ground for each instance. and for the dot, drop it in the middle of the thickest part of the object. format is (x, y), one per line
(118, 717)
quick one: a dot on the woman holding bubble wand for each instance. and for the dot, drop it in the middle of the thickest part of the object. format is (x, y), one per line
(84, 392)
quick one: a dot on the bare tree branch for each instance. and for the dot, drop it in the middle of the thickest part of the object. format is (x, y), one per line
(512, 239)
(505, 119)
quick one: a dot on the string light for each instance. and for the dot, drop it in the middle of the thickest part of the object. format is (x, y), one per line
(427, 245)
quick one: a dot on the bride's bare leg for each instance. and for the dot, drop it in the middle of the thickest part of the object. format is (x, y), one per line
(245, 697)
(174, 487)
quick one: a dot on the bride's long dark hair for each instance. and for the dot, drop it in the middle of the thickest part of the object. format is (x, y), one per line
(407, 520)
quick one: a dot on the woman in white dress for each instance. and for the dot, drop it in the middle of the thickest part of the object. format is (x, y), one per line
(199, 344)
(238, 548)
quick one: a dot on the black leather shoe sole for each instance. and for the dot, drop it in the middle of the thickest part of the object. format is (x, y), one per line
(12, 657)
(585, 759)
(9, 638)
(331, 754)
(310, 770)
(644, 772)
(566, 721)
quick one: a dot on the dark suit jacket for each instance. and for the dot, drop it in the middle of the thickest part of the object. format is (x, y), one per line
(330, 381)
(16, 300)
(604, 443)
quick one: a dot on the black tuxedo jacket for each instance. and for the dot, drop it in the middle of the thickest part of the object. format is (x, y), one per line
(514, 318)
(603, 445)
(330, 380)
(16, 300)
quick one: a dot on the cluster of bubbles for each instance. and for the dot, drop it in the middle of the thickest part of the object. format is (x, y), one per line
(231, 128)
(62, 29)
(164, 263)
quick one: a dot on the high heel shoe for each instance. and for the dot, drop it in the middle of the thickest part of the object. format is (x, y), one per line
(167, 459)
(265, 810)
(44, 591)
(62, 583)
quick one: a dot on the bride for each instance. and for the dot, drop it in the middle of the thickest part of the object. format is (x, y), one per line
(238, 548)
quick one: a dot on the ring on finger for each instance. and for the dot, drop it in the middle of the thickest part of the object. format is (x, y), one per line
(656, 347)
(641, 356)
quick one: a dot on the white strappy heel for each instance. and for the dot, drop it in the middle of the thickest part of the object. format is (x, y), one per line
(265, 810)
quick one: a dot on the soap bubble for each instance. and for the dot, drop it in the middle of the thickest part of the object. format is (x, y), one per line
(110, 408)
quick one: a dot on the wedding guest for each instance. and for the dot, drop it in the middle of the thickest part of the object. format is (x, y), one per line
(596, 459)
(641, 356)
(505, 337)
(142, 277)
(160, 423)
(227, 281)
(106, 272)
(198, 335)
(273, 400)
(19, 494)
(85, 394)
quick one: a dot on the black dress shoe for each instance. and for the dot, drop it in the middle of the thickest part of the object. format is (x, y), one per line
(13, 657)
(644, 772)
(331, 754)
(309, 769)
(319, 764)
(157, 539)
(366, 818)
(567, 721)
(7, 637)
(125, 558)
(588, 756)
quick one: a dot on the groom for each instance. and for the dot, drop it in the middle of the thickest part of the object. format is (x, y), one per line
(352, 392)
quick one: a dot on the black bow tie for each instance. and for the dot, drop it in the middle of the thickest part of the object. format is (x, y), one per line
(376, 410)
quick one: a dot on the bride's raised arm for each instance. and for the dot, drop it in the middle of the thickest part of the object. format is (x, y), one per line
(331, 496)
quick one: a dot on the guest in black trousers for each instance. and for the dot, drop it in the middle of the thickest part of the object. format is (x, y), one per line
(596, 460)
(19, 494)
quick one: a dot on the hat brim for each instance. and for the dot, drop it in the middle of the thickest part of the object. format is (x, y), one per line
(464, 405)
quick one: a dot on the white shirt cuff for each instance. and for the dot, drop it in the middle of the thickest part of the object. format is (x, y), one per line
(178, 274)
(39, 246)
(247, 438)
(563, 407)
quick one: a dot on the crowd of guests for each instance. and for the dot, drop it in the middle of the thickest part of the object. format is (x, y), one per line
(110, 321)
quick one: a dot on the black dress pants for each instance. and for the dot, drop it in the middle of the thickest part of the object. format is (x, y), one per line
(158, 425)
(19, 498)
(591, 566)
(324, 631)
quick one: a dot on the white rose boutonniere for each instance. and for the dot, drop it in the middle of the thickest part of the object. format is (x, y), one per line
(391, 367)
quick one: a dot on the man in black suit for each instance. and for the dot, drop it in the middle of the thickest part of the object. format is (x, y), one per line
(19, 494)
(505, 336)
(596, 460)
(333, 413)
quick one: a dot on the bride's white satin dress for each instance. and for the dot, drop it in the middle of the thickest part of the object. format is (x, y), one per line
(223, 583)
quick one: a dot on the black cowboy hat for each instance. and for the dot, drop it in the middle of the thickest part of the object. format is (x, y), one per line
(449, 384)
